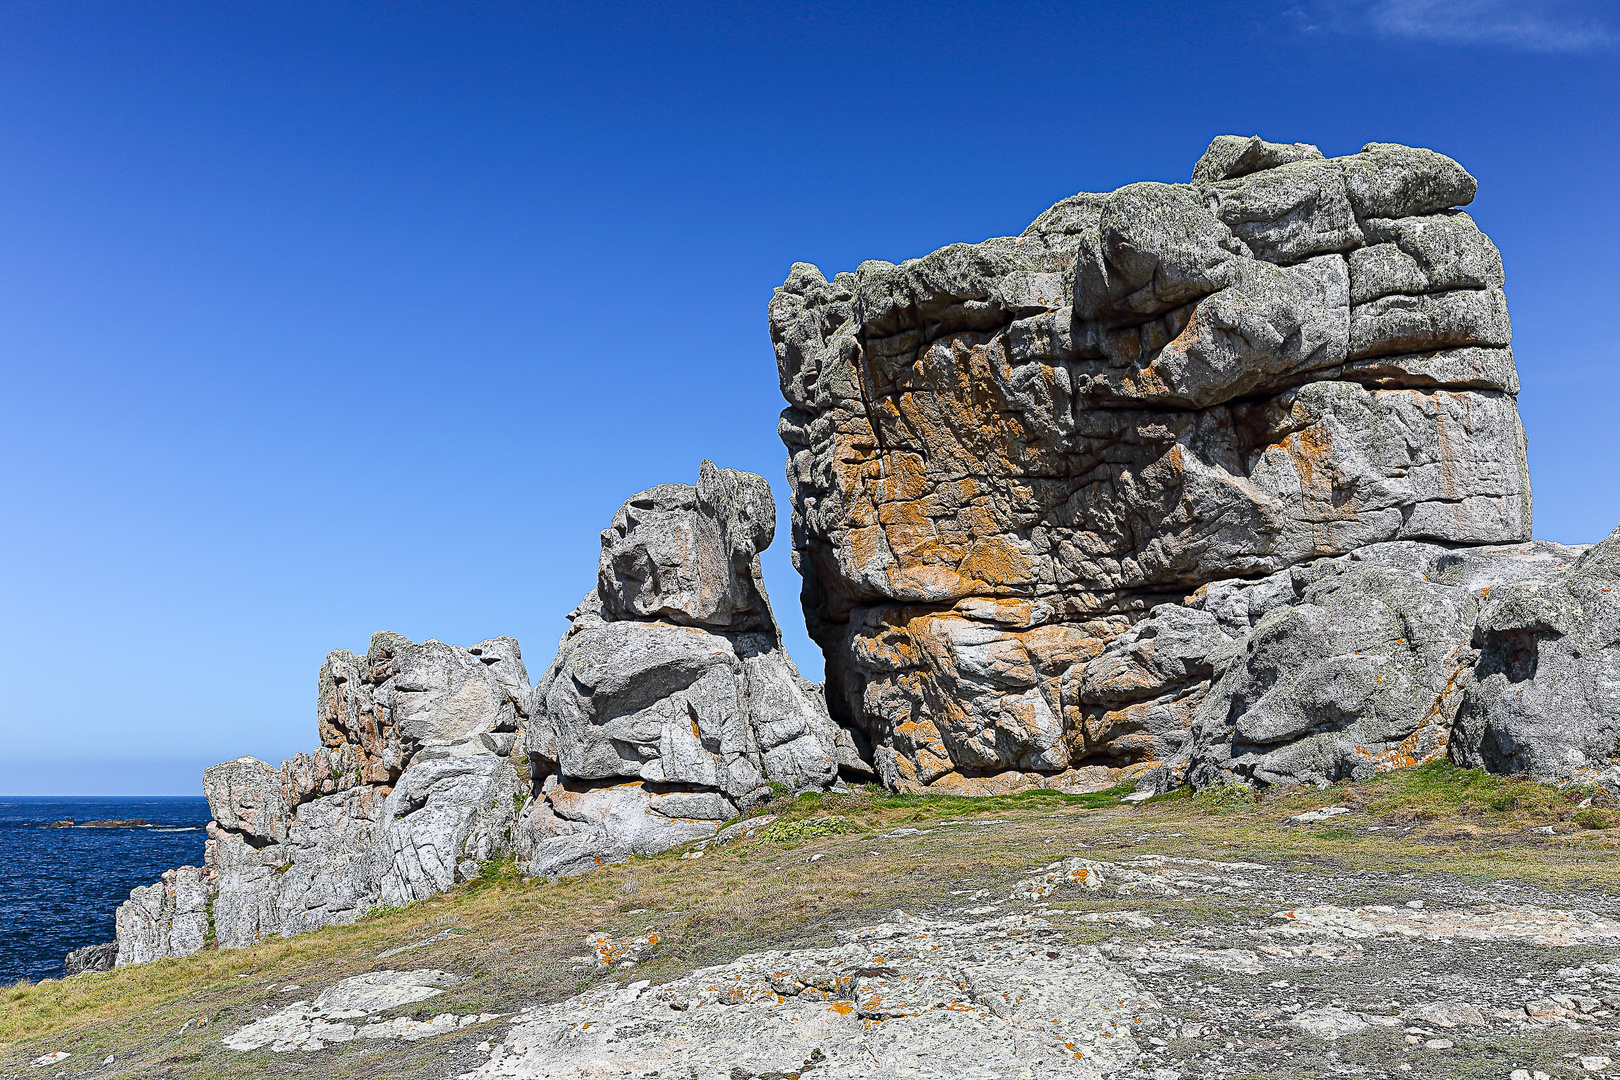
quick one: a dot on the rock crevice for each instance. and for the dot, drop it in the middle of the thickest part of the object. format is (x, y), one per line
(1033, 479)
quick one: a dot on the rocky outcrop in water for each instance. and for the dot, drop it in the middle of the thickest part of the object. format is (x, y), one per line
(671, 703)
(1195, 480)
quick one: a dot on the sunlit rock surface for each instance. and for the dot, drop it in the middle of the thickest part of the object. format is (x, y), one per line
(1006, 455)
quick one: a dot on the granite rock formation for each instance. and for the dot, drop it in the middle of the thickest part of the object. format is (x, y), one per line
(100, 957)
(413, 787)
(1544, 696)
(1035, 479)
(671, 703)
(1349, 666)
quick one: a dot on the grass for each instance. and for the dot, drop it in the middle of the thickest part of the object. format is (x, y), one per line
(513, 937)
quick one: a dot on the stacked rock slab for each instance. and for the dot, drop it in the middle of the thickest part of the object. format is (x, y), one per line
(671, 703)
(1008, 457)
(414, 786)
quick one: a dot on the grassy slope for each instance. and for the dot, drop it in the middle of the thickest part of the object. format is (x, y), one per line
(513, 937)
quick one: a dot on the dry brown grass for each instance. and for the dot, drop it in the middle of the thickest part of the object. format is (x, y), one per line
(514, 937)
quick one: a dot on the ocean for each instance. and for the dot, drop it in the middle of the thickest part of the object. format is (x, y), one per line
(60, 887)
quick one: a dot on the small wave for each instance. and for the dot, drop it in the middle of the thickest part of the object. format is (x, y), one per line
(178, 828)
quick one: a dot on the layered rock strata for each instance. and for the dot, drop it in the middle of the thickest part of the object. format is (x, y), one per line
(413, 787)
(671, 703)
(1008, 457)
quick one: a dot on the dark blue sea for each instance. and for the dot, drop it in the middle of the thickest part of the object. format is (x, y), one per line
(60, 887)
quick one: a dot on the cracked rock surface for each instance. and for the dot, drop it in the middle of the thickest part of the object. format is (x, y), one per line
(332, 1017)
(907, 997)
(1016, 464)
(671, 702)
(1291, 974)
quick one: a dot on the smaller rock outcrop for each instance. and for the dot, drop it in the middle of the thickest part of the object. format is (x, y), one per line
(413, 787)
(1501, 658)
(1544, 696)
(90, 958)
(671, 703)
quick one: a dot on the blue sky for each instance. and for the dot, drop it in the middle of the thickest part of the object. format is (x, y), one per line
(318, 319)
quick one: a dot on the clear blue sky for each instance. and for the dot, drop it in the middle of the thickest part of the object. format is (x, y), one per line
(318, 319)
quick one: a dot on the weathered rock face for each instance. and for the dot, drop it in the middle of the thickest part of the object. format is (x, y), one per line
(169, 918)
(1544, 697)
(1344, 667)
(415, 785)
(671, 702)
(670, 705)
(1006, 455)
(90, 958)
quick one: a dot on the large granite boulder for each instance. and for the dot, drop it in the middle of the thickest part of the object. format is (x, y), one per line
(1348, 666)
(690, 554)
(1005, 455)
(1544, 697)
(671, 703)
(415, 786)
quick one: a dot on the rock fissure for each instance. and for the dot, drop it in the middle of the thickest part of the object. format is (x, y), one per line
(1187, 484)
(1194, 393)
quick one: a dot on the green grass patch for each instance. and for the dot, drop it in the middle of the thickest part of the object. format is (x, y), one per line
(872, 801)
(1594, 818)
(503, 869)
(1443, 788)
(783, 832)
(1230, 794)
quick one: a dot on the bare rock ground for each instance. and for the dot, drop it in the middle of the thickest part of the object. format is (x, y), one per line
(1279, 940)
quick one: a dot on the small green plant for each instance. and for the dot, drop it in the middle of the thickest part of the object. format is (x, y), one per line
(208, 935)
(494, 871)
(782, 832)
(382, 911)
(1505, 802)
(1593, 818)
(1229, 793)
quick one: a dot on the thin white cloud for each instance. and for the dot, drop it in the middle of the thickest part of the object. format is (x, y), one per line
(1533, 25)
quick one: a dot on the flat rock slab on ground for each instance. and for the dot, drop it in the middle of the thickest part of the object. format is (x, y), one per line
(908, 997)
(311, 1026)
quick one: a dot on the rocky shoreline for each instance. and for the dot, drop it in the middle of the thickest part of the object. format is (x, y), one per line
(1218, 484)
(108, 823)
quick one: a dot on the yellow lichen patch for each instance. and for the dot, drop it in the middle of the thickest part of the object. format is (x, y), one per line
(995, 561)
(901, 477)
